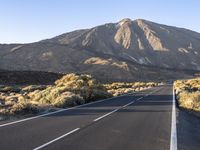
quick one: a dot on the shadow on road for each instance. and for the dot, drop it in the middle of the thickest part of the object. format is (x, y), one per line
(144, 105)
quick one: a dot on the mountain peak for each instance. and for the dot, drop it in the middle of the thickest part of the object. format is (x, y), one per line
(128, 21)
(133, 41)
(140, 20)
(124, 21)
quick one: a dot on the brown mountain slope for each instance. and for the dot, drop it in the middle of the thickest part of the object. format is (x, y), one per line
(141, 41)
(127, 50)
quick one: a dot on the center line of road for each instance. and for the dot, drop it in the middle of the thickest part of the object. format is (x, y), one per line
(99, 118)
(116, 110)
(50, 142)
(139, 98)
(55, 112)
(58, 138)
(106, 115)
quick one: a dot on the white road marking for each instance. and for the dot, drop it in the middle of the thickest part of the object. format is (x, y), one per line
(173, 141)
(117, 109)
(105, 115)
(101, 117)
(58, 138)
(61, 110)
(55, 112)
(139, 98)
(129, 104)
(31, 118)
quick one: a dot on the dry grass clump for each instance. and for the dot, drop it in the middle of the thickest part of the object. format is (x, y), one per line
(71, 90)
(188, 94)
(14, 101)
(22, 108)
(119, 88)
(190, 100)
(32, 88)
(9, 89)
(68, 99)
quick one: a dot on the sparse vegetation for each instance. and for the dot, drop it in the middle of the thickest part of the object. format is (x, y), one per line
(77, 88)
(188, 94)
(69, 90)
(119, 88)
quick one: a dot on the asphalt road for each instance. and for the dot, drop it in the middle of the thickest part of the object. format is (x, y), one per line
(139, 121)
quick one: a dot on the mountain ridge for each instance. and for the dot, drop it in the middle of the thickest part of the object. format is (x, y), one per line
(123, 48)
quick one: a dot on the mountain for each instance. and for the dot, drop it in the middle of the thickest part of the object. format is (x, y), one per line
(126, 50)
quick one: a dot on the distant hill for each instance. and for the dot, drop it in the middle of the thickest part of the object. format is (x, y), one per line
(126, 50)
(28, 77)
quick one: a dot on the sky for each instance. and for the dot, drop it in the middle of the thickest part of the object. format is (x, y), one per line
(25, 21)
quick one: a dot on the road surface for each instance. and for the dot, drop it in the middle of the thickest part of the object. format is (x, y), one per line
(139, 121)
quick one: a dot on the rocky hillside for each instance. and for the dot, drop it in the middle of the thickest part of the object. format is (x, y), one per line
(126, 50)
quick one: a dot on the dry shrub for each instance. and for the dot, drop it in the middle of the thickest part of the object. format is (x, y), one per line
(9, 89)
(188, 93)
(119, 88)
(23, 108)
(68, 99)
(32, 88)
(189, 100)
(81, 88)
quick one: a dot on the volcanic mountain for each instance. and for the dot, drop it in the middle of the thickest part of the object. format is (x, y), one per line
(126, 50)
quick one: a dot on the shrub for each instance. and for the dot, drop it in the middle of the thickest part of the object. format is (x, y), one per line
(188, 93)
(189, 101)
(81, 88)
(23, 108)
(68, 99)
(10, 89)
(32, 88)
(119, 88)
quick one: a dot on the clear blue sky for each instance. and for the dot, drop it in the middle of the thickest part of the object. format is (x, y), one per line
(23, 21)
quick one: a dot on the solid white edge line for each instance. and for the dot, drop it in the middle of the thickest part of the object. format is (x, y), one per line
(173, 140)
(55, 112)
(56, 139)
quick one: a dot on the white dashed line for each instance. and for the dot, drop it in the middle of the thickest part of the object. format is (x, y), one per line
(58, 138)
(106, 115)
(99, 118)
(55, 112)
